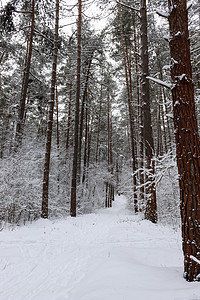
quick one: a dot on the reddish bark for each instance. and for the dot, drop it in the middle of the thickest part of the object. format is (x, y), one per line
(186, 135)
(151, 207)
(127, 69)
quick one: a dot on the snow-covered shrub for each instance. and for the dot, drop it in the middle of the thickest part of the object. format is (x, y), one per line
(20, 186)
(167, 188)
(21, 183)
(168, 199)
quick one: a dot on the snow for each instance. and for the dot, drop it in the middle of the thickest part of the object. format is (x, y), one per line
(167, 38)
(163, 83)
(182, 77)
(175, 62)
(107, 255)
(195, 259)
(166, 67)
(178, 34)
(176, 103)
(162, 13)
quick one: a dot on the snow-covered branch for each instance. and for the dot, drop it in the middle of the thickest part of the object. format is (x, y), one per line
(160, 82)
(195, 259)
(127, 6)
(44, 36)
(162, 13)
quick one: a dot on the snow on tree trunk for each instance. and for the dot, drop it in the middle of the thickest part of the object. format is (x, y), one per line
(186, 135)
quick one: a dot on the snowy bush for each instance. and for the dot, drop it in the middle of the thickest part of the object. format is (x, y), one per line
(167, 189)
(20, 186)
(168, 199)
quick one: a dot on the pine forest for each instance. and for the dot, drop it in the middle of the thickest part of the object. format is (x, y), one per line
(100, 114)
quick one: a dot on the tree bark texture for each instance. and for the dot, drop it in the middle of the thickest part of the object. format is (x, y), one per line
(99, 123)
(109, 185)
(45, 192)
(130, 107)
(161, 103)
(82, 116)
(151, 207)
(186, 136)
(21, 113)
(76, 127)
(85, 146)
(139, 117)
(57, 122)
(69, 117)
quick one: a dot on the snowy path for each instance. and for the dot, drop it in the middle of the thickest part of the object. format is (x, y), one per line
(110, 255)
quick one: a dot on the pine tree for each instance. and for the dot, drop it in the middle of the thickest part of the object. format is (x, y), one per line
(44, 213)
(25, 81)
(151, 208)
(76, 129)
(187, 138)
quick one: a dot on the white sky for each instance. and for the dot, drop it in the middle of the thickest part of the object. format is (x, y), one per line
(92, 11)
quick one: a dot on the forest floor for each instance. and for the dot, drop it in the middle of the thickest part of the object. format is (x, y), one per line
(108, 255)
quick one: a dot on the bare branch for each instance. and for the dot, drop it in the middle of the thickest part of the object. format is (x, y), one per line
(44, 36)
(127, 6)
(36, 77)
(62, 26)
(22, 12)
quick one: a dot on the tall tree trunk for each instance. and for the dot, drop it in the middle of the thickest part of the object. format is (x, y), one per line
(151, 208)
(130, 107)
(161, 100)
(110, 187)
(168, 121)
(112, 195)
(69, 117)
(57, 139)
(57, 122)
(81, 118)
(76, 127)
(165, 146)
(159, 133)
(139, 111)
(85, 146)
(186, 135)
(21, 113)
(45, 192)
(90, 130)
(99, 122)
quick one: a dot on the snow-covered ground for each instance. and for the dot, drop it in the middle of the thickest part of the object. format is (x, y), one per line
(110, 255)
